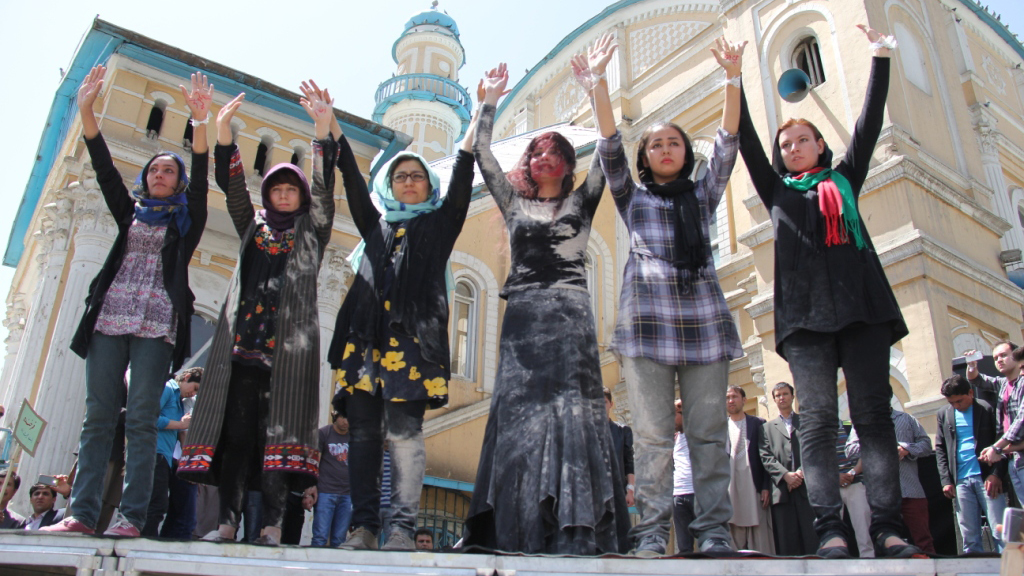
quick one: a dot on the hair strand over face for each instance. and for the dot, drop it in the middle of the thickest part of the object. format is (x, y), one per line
(520, 176)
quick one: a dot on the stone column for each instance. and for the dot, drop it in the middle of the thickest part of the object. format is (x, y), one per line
(61, 395)
(988, 142)
(49, 241)
(17, 317)
(332, 287)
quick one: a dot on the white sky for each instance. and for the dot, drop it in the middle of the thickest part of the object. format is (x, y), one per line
(344, 45)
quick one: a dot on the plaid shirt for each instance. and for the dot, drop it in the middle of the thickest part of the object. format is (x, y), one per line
(660, 317)
(1012, 410)
(912, 437)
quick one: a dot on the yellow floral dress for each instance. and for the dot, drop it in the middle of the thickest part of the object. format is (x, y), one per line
(392, 363)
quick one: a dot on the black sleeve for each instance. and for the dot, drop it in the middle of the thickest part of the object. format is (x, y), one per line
(762, 175)
(869, 125)
(116, 195)
(941, 458)
(364, 213)
(460, 189)
(197, 193)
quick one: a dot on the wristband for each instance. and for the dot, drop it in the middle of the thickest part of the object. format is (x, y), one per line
(588, 79)
(885, 42)
(734, 81)
(195, 122)
(630, 487)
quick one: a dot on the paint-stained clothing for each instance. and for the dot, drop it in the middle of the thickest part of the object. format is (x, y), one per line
(559, 491)
(291, 422)
(662, 316)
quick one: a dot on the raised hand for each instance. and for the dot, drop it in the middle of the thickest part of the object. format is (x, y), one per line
(199, 98)
(729, 56)
(319, 106)
(227, 112)
(882, 42)
(310, 90)
(494, 82)
(90, 88)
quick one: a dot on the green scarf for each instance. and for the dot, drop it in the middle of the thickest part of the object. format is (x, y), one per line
(835, 199)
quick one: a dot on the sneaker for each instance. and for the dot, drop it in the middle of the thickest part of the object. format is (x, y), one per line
(215, 536)
(70, 524)
(360, 539)
(399, 540)
(650, 546)
(266, 540)
(122, 527)
(716, 546)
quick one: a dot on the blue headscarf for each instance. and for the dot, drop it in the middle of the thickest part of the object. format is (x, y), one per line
(160, 212)
(395, 211)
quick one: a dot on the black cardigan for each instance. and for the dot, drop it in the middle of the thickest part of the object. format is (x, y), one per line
(817, 288)
(419, 298)
(175, 255)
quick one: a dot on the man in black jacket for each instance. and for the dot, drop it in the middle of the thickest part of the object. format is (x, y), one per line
(622, 440)
(43, 497)
(965, 427)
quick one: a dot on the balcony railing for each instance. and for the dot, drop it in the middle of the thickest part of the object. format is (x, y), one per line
(410, 83)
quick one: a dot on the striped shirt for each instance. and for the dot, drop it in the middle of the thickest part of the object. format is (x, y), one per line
(912, 438)
(661, 317)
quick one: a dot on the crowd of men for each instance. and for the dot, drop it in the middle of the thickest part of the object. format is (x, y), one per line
(977, 452)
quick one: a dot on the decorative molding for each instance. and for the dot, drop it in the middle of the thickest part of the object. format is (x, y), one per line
(457, 418)
(761, 304)
(650, 44)
(916, 243)
(905, 168)
(757, 235)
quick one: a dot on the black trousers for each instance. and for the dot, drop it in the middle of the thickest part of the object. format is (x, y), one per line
(159, 499)
(242, 441)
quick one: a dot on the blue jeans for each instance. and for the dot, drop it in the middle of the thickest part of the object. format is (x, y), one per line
(107, 360)
(862, 351)
(970, 497)
(331, 518)
(652, 393)
(1017, 479)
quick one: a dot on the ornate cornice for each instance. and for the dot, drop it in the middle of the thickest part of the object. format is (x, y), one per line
(463, 415)
(757, 235)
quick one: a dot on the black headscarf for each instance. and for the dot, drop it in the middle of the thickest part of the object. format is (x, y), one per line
(691, 255)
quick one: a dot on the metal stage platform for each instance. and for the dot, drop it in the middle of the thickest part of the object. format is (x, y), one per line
(33, 553)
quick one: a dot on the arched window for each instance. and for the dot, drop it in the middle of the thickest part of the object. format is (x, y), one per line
(465, 312)
(700, 168)
(156, 119)
(263, 155)
(912, 58)
(186, 138)
(1020, 215)
(807, 57)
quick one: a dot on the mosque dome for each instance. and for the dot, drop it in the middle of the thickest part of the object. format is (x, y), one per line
(432, 17)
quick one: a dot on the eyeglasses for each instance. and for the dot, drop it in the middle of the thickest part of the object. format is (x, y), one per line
(401, 177)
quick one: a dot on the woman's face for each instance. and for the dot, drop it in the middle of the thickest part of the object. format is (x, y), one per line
(285, 197)
(800, 149)
(546, 164)
(665, 154)
(410, 183)
(162, 177)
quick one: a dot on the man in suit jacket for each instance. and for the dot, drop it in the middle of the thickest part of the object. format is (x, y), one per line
(750, 487)
(965, 427)
(792, 515)
(43, 497)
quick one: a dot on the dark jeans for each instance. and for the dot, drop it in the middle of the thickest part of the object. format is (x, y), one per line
(862, 351)
(181, 509)
(682, 515)
(368, 417)
(242, 440)
(159, 499)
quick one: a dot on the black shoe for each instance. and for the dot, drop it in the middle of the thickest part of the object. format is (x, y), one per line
(839, 552)
(715, 546)
(896, 550)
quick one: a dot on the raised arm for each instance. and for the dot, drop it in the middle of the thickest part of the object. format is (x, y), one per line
(199, 100)
(762, 175)
(730, 57)
(320, 108)
(460, 187)
(229, 172)
(723, 156)
(494, 87)
(115, 193)
(869, 125)
(364, 213)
